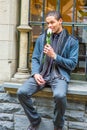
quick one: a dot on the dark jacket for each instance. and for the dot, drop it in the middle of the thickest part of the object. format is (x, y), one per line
(67, 61)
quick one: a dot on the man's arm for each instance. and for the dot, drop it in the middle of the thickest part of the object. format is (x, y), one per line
(71, 61)
(36, 63)
(36, 58)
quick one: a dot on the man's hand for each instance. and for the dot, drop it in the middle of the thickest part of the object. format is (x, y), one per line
(39, 79)
(48, 50)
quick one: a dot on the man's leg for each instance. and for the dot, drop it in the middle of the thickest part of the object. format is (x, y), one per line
(24, 95)
(59, 88)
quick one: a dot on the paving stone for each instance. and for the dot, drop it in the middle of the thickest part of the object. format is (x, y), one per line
(6, 125)
(6, 117)
(22, 123)
(46, 124)
(77, 125)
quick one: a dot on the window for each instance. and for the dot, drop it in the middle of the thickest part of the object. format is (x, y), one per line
(74, 14)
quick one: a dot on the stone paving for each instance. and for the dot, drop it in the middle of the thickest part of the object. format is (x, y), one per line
(22, 123)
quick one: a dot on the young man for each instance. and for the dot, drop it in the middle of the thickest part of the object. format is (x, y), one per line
(61, 57)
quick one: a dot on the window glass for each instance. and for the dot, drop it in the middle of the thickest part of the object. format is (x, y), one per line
(74, 14)
(36, 10)
(81, 16)
(66, 7)
(81, 11)
(50, 5)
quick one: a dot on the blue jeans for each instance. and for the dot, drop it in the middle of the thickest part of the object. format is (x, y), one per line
(59, 89)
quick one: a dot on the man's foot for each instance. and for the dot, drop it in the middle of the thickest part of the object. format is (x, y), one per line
(32, 127)
(58, 129)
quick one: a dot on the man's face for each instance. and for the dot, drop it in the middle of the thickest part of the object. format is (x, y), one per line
(54, 24)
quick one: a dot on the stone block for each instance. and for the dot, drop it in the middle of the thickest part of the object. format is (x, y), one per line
(4, 11)
(10, 108)
(5, 97)
(6, 125)
(7, 69)
(9, 32)
(46, 112)
(77, 125)
(22, 123)
(78, 106)
(4, 29)
(75, 115)
(6, 117)
(44, 102)
(8, 50)
(9, 11)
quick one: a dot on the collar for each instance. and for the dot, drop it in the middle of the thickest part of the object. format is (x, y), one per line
(56, 35)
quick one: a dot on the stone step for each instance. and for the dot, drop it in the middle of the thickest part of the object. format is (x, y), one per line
(76, 89)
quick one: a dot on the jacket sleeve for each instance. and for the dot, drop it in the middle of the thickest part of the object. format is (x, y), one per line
(36, 57)
(71, 61)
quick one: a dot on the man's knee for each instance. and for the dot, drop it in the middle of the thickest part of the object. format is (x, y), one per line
(59, 96)
(21, 91)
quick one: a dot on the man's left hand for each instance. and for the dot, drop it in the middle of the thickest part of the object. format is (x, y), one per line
(49, 51)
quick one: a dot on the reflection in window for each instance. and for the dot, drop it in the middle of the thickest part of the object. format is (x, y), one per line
(37, 9)
(81, 11)
(82, 59)
(79, 32)
(67, 12)
(82, 17)
(66, 7)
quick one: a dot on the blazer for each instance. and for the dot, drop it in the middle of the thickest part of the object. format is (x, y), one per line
(66, 62)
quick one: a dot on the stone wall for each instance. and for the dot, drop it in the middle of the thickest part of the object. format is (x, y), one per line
(12, 116)
(9, 20)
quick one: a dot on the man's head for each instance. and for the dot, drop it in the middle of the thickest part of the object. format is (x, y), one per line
(54, 21)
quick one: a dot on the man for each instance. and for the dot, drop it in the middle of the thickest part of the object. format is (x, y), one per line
(51, 65)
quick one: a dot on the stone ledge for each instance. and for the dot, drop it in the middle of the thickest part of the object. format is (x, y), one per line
(77, 90)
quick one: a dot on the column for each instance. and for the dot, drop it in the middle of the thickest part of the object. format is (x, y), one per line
(24, 28)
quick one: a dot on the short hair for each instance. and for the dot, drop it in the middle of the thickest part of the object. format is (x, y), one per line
(56, 14)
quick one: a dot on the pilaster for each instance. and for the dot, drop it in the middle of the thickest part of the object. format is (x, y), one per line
(23, 28)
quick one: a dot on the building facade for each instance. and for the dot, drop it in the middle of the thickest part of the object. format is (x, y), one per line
(22, 21)
(9, 20)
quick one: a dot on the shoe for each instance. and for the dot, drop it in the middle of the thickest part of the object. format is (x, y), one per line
(57, 128)
(32, 127)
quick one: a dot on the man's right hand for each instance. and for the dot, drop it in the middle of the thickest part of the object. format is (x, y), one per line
(39, 79)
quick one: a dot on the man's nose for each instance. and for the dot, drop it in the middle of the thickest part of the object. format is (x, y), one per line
(49, 25)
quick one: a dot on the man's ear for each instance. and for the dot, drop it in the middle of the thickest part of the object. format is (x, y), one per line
(60, 20)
